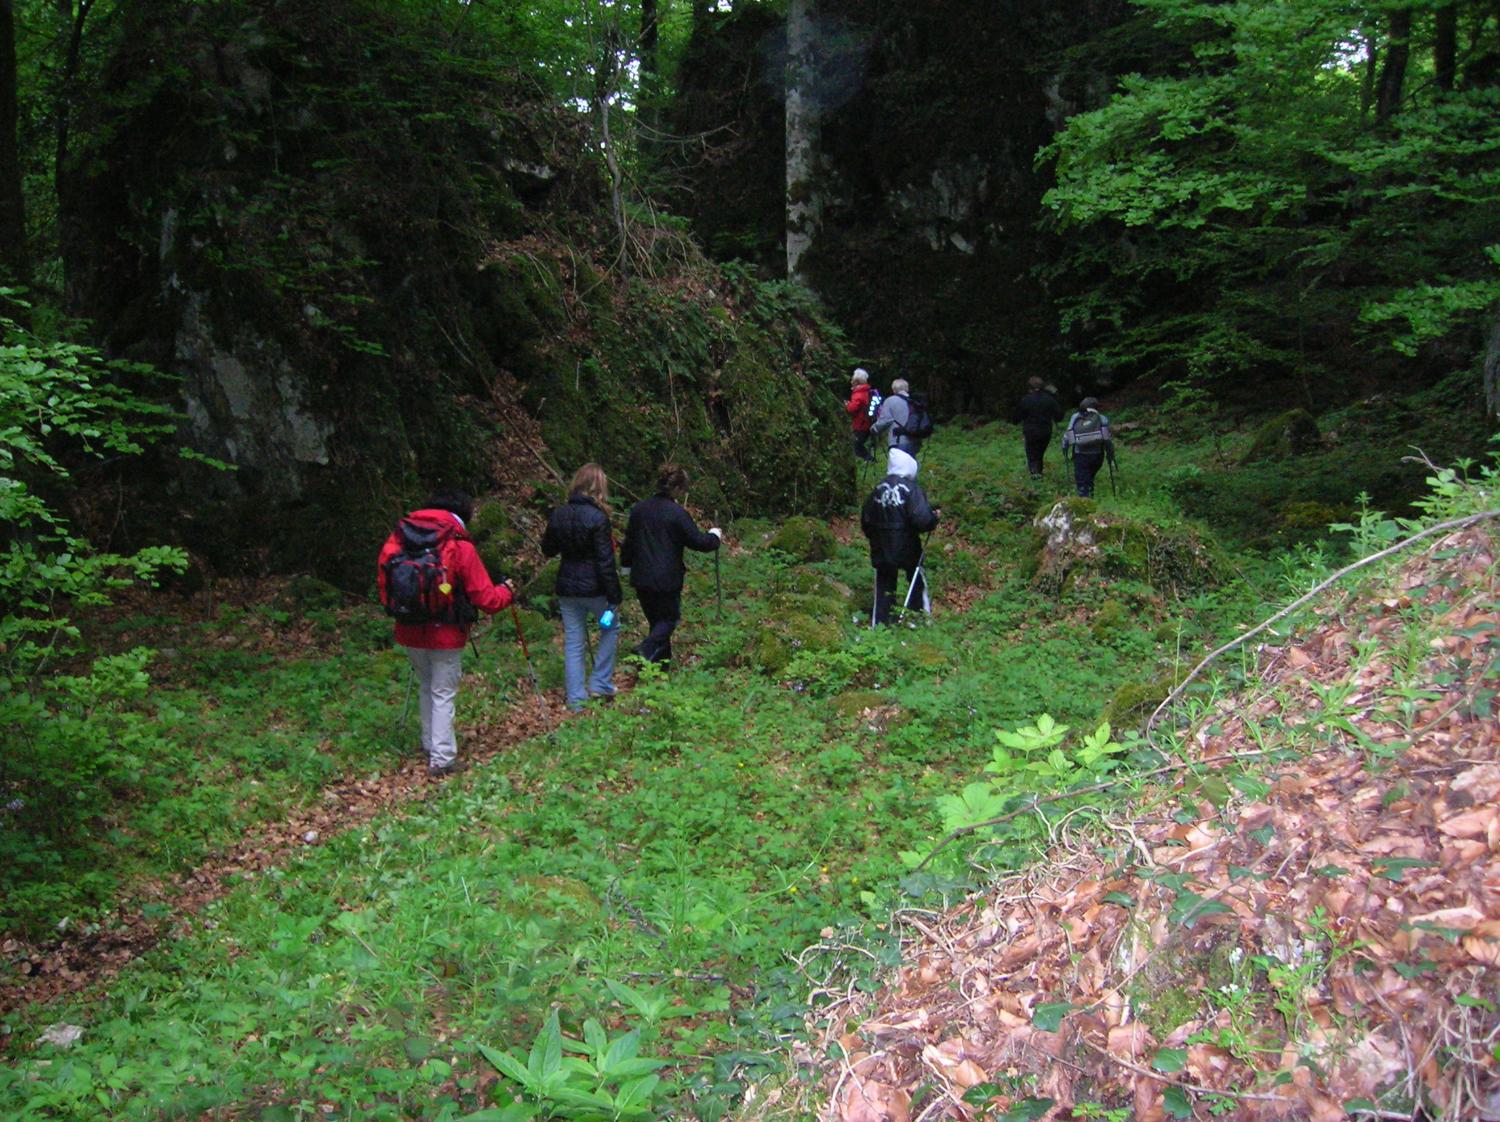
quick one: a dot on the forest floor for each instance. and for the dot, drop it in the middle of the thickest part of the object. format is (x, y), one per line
(298, 923)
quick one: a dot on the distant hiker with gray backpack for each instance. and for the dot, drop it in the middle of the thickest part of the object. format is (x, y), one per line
(1088, 440)
(434, 586)
(904, 419)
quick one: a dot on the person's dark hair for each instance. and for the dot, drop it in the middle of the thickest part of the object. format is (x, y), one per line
(453, 501)
(1033, 383)
(1089, 403)
(671, 481)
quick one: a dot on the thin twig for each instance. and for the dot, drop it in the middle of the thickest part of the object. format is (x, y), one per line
(1177, 692)
(1181, 765)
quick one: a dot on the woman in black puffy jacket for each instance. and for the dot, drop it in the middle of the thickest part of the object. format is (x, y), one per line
(588, 587)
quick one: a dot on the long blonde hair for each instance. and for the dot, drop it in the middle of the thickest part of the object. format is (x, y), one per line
(591, 482)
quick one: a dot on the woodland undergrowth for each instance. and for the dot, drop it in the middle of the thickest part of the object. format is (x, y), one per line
(607, 921)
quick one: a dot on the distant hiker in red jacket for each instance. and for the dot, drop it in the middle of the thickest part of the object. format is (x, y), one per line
(434, 584)
(861, 416)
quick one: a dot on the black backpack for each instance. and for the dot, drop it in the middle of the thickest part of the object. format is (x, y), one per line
(918, 424)
(417, 584)
(875, 400)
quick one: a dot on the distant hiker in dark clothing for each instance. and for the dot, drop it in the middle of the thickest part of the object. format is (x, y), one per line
(860, 416)
(657, 533)
(588, 588)
(1087, 437)
(894, 518)
(432, 581)
(1037, 413)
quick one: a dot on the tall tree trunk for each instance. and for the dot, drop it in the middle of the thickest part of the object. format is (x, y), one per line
(1393, 76)
(71, 20)
(13, 263)
(802, 203)
(650, 39)
(1445, 47)
(1372, 73)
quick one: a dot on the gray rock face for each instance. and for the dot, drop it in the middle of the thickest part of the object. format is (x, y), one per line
(246, 404)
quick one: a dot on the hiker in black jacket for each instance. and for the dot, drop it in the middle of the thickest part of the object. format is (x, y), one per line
(588, 588)
(657, 533)
(894, 518)
(1037, 413)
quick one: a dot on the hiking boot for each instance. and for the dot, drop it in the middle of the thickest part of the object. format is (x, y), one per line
(446, 770)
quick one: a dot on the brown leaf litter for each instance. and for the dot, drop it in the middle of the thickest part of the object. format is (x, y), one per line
(1347, 930)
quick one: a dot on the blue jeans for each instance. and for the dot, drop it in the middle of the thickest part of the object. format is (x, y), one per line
(579, 615)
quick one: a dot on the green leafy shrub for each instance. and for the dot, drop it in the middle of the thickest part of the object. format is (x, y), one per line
(80, 736)
(806, 539)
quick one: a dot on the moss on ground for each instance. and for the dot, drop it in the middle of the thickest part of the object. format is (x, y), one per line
(805, 539)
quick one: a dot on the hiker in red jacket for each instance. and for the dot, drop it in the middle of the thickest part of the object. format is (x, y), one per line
(432, 581)
(860, 415)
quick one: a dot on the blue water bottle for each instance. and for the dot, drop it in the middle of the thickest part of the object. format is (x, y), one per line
(607, 620)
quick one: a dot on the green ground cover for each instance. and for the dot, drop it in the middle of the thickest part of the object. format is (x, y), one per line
(654, 868)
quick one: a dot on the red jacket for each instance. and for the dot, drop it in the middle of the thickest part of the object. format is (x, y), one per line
(858, 407)
(466, 572)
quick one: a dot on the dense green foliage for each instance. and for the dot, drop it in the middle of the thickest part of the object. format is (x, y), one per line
(75, 742)
(1300, 192)
(664, 843)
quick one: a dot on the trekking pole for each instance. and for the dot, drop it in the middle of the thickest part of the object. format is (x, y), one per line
(718, 586)
(919, 572)
(411, 678)
(526, 651)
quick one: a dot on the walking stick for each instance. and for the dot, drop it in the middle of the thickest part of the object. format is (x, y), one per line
(1109, 458)
(718, 586)
(525, 650)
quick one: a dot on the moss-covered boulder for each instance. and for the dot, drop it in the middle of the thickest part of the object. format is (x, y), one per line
(1292, 433)
(305, 594)
(806, 539)
(1134, 702)
(780, 636)
(375, 294)
(1076, 540)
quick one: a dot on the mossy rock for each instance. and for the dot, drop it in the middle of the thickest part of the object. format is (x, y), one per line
(751, 533)
(929, 657)
(1310, 515)
(785, 605)
(812, 583)
(851, 704)
(1290, 434)
(305, 594)
(782, 636)
(770, 651)
(553, 895)
(1110, 620)
(806, 539)
(1074, 540)
(1134, 702)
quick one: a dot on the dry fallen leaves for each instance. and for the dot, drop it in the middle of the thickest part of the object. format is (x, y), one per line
(1376, 873)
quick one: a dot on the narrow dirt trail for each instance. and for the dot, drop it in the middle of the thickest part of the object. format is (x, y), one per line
(79, 960)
